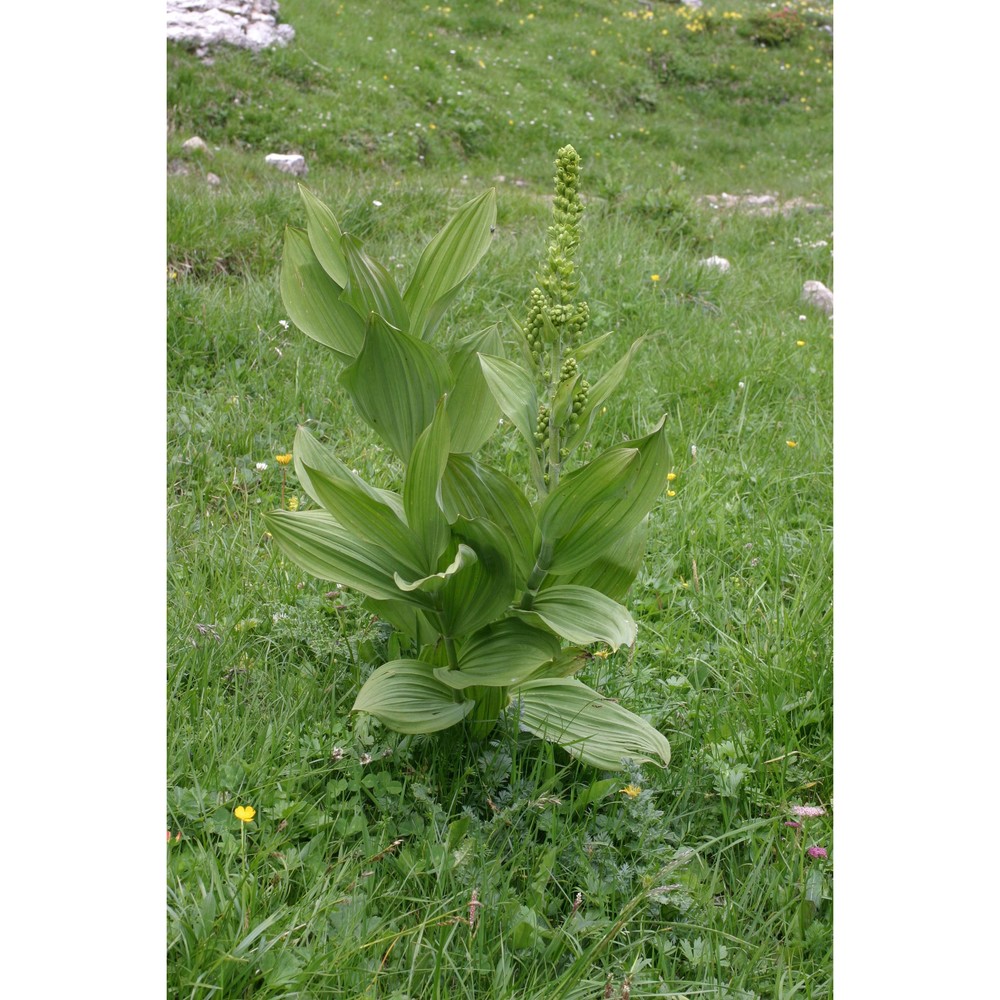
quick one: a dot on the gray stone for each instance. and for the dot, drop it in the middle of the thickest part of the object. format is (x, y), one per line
(290, 163)
(213, 179)
(817, 295)
(247, 24)
(719, 263)
(195, 145)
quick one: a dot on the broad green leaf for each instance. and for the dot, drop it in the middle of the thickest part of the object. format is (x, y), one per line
(434, 581)
(422, 486)
(472, 411)
(310, 452)
(514, 390)
(472, 490)
(315, 541)
(324, 236)
(447, 261)
(481, 592)
(601, 485)
(592, 728)
(370, 520)
(313, 299)
(582, 616)
(581, 533)
(501, 655)
(395, 383)
(601, 391)
(370, 287)
(613, 572)
(566, 662)
(406, 696)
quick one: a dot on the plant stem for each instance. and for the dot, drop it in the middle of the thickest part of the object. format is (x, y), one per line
(534, 581)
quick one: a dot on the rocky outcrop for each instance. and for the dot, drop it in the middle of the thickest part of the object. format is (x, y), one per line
(248, 24)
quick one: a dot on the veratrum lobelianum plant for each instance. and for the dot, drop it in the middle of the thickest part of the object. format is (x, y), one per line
(496, 595)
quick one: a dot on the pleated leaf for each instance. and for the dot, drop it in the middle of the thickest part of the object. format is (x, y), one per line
(313, 299)
(370, 521)
(514, 390)
(395, 383)
(470, 490)
(481, 592)
(464, 556)
(592, 728)
(310, 453)
(422, 487)
(447, 261)
(582, 616)
(613, 572)
(325, 236)
(472, 411)
(406, 696)
(321, 546)
(579, 531)
(370, 287)
(500, 656)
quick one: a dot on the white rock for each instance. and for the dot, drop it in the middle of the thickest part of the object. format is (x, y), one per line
(248, 24)
(290, 163)
(817, 295)
(213, 179)
(719, 263)
(195, 144)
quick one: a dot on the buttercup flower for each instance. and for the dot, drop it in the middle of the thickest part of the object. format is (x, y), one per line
(654, 277)
(671, 476)
(792, 444)
(245, 814)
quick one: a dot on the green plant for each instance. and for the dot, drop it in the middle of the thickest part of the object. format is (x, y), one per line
(495, 597)
(775, 27)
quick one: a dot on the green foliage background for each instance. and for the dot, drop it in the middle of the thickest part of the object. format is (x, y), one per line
(696, 886)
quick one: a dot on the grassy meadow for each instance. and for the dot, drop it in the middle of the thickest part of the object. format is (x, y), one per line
(356, 874)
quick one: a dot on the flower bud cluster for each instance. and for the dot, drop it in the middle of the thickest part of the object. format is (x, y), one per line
(534, 325)
(558, 285)
(542, 433)
(580, 395)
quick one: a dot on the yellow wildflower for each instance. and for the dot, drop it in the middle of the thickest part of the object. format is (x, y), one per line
(800, 343)
(671, 476)
(632, 791)
(245, 814)
(293, 503)
(283, 459)
(654, 277)
(671, 493)
(792, 444)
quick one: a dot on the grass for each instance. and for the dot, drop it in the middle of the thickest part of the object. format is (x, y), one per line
(356, 876)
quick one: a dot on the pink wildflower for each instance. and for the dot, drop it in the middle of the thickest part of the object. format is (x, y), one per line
(809, 812)
(793, 825)
(817, 852)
